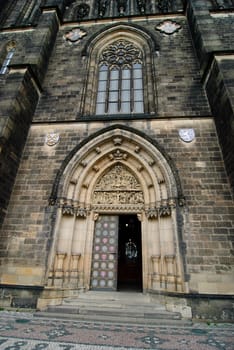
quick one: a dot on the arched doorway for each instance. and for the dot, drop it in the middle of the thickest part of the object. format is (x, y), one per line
(129, 254)
(117, 254)
(118, 178)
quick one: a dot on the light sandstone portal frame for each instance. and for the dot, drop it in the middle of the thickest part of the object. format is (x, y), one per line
(117, 172)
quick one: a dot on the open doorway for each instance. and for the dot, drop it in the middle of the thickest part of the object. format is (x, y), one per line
(129, 254)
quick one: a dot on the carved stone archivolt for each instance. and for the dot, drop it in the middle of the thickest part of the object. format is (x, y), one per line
(118, 174)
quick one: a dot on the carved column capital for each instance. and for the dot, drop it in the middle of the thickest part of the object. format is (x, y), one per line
(151, 213)
(81, 212)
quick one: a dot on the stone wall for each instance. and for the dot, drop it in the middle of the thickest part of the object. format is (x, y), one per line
(20, 90)
(178, 79)
(207, 230)
(212, 36)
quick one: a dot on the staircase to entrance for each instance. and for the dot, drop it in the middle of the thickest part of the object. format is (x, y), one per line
(122, 307)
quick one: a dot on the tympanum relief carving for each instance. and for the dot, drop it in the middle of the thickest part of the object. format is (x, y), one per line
(117, 187)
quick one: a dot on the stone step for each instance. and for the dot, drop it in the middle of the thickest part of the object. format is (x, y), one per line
(114, 307)
(124, 311)
(113, 300)
(118, 319)
(112, 296)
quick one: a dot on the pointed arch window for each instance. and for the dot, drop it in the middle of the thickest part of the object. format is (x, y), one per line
(10, 50)
(120, 80)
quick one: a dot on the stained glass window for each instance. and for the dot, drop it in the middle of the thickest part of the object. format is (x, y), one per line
(120, 80)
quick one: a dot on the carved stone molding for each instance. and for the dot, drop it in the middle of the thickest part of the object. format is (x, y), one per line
(118, 155)
(98, 150)
(73, 181)
(117, 141)
(83, 164)
(118, 187)
(68, 210)
(151, 162)
(82, 10)
(96, 169)
(141, 4)
(140, 168)
(151, 213)
(121, 52)
(102, 6)
(140, 216)
(120, 208)
(160, 209)
(52, 139)
(165, 211)
(168, 27)
(73, 208)
(121, 4)
(74, 36)
(137, 149)
(95, 216)
(81, 213)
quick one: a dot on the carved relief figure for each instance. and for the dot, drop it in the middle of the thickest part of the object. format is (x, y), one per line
(118, 186)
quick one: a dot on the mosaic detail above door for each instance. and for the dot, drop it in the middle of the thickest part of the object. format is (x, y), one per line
(105, 253)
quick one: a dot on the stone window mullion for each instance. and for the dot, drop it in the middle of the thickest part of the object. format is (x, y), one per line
(120, 90)
(107, 92)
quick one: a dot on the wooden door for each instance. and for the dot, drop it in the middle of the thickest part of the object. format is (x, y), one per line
(105, 253)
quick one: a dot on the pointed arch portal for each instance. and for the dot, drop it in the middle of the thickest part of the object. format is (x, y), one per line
(118, 201)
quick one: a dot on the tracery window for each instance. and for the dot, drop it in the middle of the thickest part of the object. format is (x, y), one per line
(120, 80)
(8, 57)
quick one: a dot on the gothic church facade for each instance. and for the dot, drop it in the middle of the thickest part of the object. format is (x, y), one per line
(117, 151)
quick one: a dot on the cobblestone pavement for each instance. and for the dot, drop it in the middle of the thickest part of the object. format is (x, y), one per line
(24, 331)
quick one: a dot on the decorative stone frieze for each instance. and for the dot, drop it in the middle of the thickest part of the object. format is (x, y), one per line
(118, 208)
